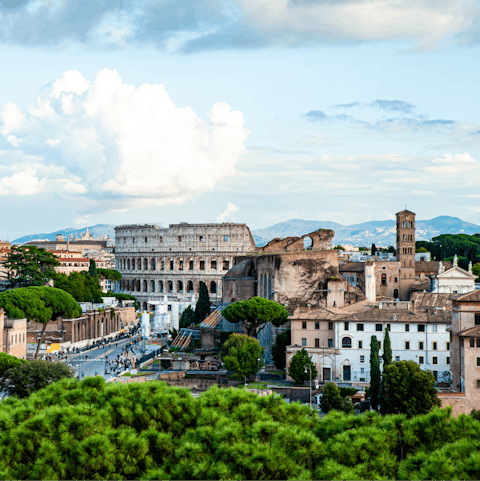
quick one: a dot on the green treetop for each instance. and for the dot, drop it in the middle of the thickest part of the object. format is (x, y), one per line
(240, 353)
(29, 266)
(279, 348)
(186, 319)
(110, 274)
(387, 350)
(375, 378)
(254, 314)
(202, 308)
(300, 366)
(7, 362)
(92, 269)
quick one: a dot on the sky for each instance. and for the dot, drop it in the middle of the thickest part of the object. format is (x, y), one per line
(254, 111)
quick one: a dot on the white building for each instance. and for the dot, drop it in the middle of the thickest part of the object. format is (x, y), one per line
(455, 280)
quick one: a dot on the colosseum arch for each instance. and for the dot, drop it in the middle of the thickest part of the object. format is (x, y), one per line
(180, 264)
(190, 289)
(145, 289)
(162, 265)
(152, 286)
(128, 264)
(201, 264)
(145, 264)
(169, 286)
(171, 264)
(260, 293)
(145, 307)
(307, 243)
(179, 286)
(160, 286)
(226, 264)
(213, 264)
(213, 287)
(153, 265)
(190, 264)
(133, 264)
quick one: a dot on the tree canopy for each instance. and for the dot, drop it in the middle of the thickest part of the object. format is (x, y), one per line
(95, 430)
(110, 274)
(279, 348)
(7, 362)
(331, 398)
(202, 308)
(29, 266)
(298, 364)
(186, 319)
(92, 268)
(40, 304)
(240, 353)
(408, 389)
(254, 314)
(81, 285)
(28, 377)
(375, 376)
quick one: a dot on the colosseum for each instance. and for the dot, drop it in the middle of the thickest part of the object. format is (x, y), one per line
(156, 261)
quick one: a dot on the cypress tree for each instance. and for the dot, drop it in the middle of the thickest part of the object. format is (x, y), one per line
(202, 308)
(92, 269)
(387, 350)
(373, 249)
(374, 373)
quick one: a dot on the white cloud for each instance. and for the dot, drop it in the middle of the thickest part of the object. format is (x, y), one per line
(130, 146)
(423, 192)
(24, 182)
(14, 140)
(450, 158)
(231, 208)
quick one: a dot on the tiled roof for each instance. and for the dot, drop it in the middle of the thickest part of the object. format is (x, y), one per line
(430, 299)
(353, 267)
(470, 332)
(400, 316)
(473, 296)
(430, 266)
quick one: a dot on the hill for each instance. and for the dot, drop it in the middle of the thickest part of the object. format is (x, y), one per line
(99, 229)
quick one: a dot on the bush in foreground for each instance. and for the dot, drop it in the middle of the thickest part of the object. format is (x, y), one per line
(94, 430)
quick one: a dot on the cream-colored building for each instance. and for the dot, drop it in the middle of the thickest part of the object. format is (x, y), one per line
(13, 336)
(454, 280)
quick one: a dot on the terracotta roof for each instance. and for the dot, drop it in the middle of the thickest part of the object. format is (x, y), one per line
(470, 332)
(430, 266)
(400, 316)
(405, 211)
(425, 300)
(473, 296)
(353, 267)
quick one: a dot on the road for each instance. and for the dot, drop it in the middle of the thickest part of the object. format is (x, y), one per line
(92, 362)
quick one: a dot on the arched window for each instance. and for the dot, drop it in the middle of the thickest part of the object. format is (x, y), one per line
(213, 264)
(307, 243)
(472, 342)
(128, 264)
(190, 286)
(170, 286)
(145, 306)
(384, 279)
(145, 264)
(213, 287)
(395, 293)
(265, 285)
(180, 286)
(133, 264)
(347, 342)
(478, 342)
(170, 264)
(160, 286)
(162, 265)
(152, 286)
(144, 286)
(153, 265)
(190, 264)
(269, 286)
(261, 286)
(124, 263)
(180, 264)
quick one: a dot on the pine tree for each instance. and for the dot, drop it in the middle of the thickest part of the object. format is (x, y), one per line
(331, 398)
(186, 319)
(202, 308)
(298, 370)
(374, 373)
(92, 270)
(374, 249)
(387, 350)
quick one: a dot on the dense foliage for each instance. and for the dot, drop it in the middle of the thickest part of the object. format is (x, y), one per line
(254, 314)
(331, 398)
(240, 353)
(387, 350)
(279, 348)
(7, 362)
(81, 285)
(29, 266)
(407, 389)
(202, 308)
(375, 377)
(110, 274)
(186, 319)
(123, 297)
(92, 268)
(445, 246)
(28, 377)
(40, 304)
(94, 430)
(298, 369)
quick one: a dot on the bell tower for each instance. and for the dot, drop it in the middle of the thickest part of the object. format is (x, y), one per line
(406, 252)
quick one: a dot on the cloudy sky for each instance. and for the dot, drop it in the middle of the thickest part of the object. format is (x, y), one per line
(253, 111)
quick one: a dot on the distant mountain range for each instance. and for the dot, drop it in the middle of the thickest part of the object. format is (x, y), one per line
(99, 229)
(381, 233)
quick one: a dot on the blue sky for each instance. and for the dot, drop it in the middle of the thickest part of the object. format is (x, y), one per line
(241, 110)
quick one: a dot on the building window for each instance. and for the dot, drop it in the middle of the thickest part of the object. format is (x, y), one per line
(359, 327)
(389, 327)
(380, 346)
(317, 325)
(347, 342)
(420, 359)
(421, 328)
(330, 343)
(213, 264)
(434, 360)
(407, 344)
(396, 280)
(434, 328)
(407, 327)
(472, 342)
(447, 361)
(200, 238)
(378, 327)
(304, 324)
(478, 361)
(330, 326)
(225, 238)
(345, 326)
(202, 265)
(317, 342)
(304, 342)
(477, 319)
(434, 346)
(420, 345)
(384, 279)
(478, 342)
(360, 344)
(448, 346)
(478, 383)
(397, 358)
(362, 358)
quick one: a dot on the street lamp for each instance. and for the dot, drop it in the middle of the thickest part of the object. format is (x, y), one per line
(258, 377)
(310, 369)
